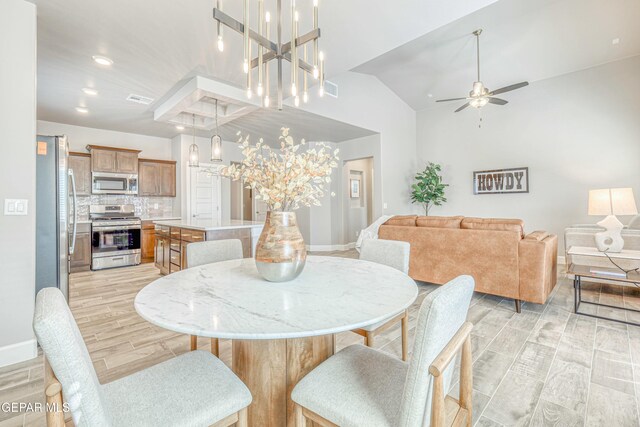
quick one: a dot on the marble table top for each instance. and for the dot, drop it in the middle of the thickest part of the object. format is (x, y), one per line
(230, 300)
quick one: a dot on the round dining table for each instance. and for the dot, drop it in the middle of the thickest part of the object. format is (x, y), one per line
(279, 331)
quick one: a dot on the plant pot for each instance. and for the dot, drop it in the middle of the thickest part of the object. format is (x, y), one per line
(280, 252)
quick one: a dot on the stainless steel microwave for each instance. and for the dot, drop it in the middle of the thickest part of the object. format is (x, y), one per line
(114, 183)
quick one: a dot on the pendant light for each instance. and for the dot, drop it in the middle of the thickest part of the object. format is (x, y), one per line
(194, 156)
(216, 142)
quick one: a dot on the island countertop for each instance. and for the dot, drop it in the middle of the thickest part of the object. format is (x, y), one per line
(210, 224)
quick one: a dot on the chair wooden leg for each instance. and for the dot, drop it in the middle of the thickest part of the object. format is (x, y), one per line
(301, 420)
(466, 379)
(368, 339)
(405, 335)
(215, 349)
(335, 343)
(53, 395)
(243, 418)
(437, 402)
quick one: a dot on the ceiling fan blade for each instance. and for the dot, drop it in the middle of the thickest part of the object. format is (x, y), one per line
(508, 88)
(462, 108)
(450, 99)
(497, 101)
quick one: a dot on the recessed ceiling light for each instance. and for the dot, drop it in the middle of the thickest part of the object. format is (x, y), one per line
(102, 60)
(430, 95)
(179, 127)
(82, 110)
(615, 41)
(89, 91)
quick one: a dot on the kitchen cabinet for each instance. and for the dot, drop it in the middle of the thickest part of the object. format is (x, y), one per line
(148, 241)
(113, 160)
(175, 239)
(80, 260)
(80, 163)
(156, 178)
(162, 253)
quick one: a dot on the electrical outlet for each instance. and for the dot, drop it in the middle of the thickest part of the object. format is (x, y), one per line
(155, 206)
(384, 205)
(16, 206)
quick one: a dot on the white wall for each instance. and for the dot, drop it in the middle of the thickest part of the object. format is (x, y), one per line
(575, 132)
(79, 137)
(366, 102)
(18, 178)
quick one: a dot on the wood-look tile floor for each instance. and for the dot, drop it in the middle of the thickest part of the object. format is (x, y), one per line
(543, 367)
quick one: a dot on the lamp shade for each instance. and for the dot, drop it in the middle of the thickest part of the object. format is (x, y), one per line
(612, 201)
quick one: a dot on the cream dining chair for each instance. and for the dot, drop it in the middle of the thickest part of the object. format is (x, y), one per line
(361, 386)
(207, 252)
(393, 254)
(194, 389)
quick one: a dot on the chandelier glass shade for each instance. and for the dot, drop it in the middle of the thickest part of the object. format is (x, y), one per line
(194, 156)
(216, 141)
(275, 51)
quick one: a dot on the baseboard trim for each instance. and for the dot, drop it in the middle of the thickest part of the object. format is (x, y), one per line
(18, 352)
(329, 248)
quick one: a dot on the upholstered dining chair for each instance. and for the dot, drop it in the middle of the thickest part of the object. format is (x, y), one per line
(394, 254)
(194, 389)
(361, 386)
(201, 253)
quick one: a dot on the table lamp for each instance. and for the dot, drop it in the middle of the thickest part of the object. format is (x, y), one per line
(611, 202)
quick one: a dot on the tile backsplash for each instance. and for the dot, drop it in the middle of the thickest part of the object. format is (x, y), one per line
(146, 207)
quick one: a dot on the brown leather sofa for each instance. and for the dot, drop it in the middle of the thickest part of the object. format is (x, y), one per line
(496, 252)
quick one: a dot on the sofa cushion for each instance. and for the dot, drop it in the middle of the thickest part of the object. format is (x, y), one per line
(439, 221)
(496, 224)
(402, 220)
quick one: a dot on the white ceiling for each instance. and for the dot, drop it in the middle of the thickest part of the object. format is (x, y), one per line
(522, 40)
(158, 45)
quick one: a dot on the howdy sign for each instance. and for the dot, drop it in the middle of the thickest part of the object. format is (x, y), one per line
(514, 180)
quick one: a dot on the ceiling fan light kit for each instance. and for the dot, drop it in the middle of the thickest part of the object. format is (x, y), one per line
(480, 95)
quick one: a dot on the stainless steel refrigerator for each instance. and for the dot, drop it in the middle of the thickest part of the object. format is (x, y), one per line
(56, 213)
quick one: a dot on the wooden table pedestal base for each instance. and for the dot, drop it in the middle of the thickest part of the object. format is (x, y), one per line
(271, 368)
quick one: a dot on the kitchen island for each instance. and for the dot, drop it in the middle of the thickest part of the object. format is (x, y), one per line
(173, 236)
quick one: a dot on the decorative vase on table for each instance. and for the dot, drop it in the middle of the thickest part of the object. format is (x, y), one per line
(280, 251)
(285, 180)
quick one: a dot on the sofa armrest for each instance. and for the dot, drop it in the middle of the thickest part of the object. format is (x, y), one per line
(538, 266)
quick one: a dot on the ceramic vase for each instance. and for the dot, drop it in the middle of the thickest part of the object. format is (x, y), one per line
(280, 252)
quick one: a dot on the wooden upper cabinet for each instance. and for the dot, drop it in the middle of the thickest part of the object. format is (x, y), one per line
(157, 178)
(80, 163)
(113, 160)
(127, 162)
(167, 179)
(103, 161)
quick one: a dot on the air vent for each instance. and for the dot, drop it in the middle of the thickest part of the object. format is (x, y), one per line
(139, 99)
(331, 88)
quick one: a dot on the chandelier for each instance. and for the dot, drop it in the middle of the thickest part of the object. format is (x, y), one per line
(275, 51)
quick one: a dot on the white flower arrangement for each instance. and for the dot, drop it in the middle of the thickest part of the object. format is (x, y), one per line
(285, 180)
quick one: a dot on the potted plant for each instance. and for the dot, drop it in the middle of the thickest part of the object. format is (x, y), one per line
(285, 180)
(428, 190)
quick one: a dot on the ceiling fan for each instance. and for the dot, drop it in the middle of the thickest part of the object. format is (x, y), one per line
(480, 94)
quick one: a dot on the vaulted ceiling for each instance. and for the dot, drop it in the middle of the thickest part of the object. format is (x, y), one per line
(157, 45)
(521, 40)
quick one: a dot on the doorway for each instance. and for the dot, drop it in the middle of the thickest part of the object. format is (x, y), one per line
(204, 194)
(241, 199)
(358, 189)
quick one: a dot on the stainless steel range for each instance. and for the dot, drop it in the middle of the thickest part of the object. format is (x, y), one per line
(115, 236)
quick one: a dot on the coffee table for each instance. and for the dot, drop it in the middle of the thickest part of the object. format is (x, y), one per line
(612, 275)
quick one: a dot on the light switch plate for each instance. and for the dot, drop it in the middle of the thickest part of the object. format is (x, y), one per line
(16, 206)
